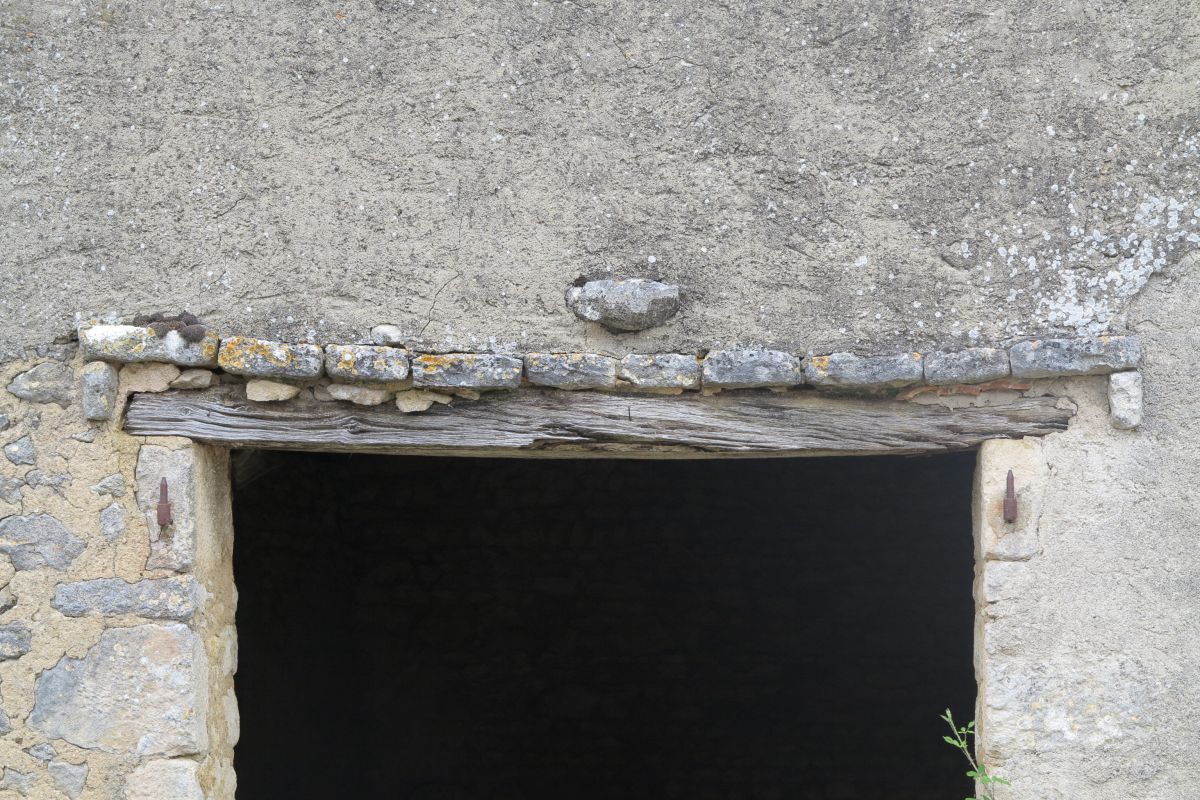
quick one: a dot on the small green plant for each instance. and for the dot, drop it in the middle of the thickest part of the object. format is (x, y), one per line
(963, 740)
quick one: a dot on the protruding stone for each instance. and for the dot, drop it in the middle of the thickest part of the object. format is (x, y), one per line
(50, 382)
(466, 371)
(5, 723)
(242, 355)
(53, 482)
(973, 365)
(38, 540)
(571, 370)
(366, 363)
(112, 522)
(749, 369)
(113, 485)
(21, 451)
(387, 334)
(138, 691)
(129, 344)
(10, 489)
(99, 390)
(68, 778)
(849, 371)
(7, 599)
(1125, 399)
(416, 400)
(16, 781)
(1048, 358)
(175, 598)
(624, 305)
(4, 422)
(264, 391)
(661, 371)
(194, 379)
(42, 752)
(359, 395)
(176, 779)
(174, 547)
(15, 640)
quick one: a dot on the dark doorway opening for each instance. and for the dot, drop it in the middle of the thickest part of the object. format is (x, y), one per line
(501, 629)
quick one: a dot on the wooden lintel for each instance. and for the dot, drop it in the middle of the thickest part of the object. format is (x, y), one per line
(533, 422)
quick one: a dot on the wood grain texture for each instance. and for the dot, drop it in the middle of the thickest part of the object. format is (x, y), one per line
(532, 422)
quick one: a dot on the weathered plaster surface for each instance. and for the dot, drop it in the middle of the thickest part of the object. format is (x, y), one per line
(817, 175)
(1089, 641)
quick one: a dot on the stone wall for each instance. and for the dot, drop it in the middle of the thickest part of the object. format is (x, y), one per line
(116, 643)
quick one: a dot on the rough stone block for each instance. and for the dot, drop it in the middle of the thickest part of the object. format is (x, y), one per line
(139, 691)
(155, 598)
(661, 371)
(175, 547)
(5, 723)
(148, 377)
(466, 371)
(973, 365)
(129, 344)
(264, 391)
(68, 778)
(21, 452)
(571, 370)
(387, 334)
(50, 382)
(112, 522)
(194, 379)
(176, 779)
(10, 489)
(626, 305)
(415, 400)
(98, 381)
(242, 355)
(359, 395)
(747, 369)
(113, 485)
(38, 540)
(42, 752)
(1010, 541)
(1047, 358)
(366, 363)
(849, 371)
(16, 781)
(1125, 399)
(15, 640)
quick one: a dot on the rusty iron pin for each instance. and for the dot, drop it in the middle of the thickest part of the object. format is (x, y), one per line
(1010, 500)
(164, 505)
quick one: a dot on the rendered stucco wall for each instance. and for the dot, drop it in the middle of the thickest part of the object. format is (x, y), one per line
(814, 175)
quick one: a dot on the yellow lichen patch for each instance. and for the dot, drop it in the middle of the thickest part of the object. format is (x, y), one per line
(240, 352)
(431, 362)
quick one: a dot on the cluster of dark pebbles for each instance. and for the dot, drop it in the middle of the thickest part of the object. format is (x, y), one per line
(189, 325)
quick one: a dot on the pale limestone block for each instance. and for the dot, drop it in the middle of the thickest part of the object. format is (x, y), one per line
(138, 691)
(1009, 541)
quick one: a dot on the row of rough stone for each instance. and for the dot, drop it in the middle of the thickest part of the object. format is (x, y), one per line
(719, 369)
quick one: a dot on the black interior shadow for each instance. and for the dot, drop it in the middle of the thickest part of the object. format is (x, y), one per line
(446, 629)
